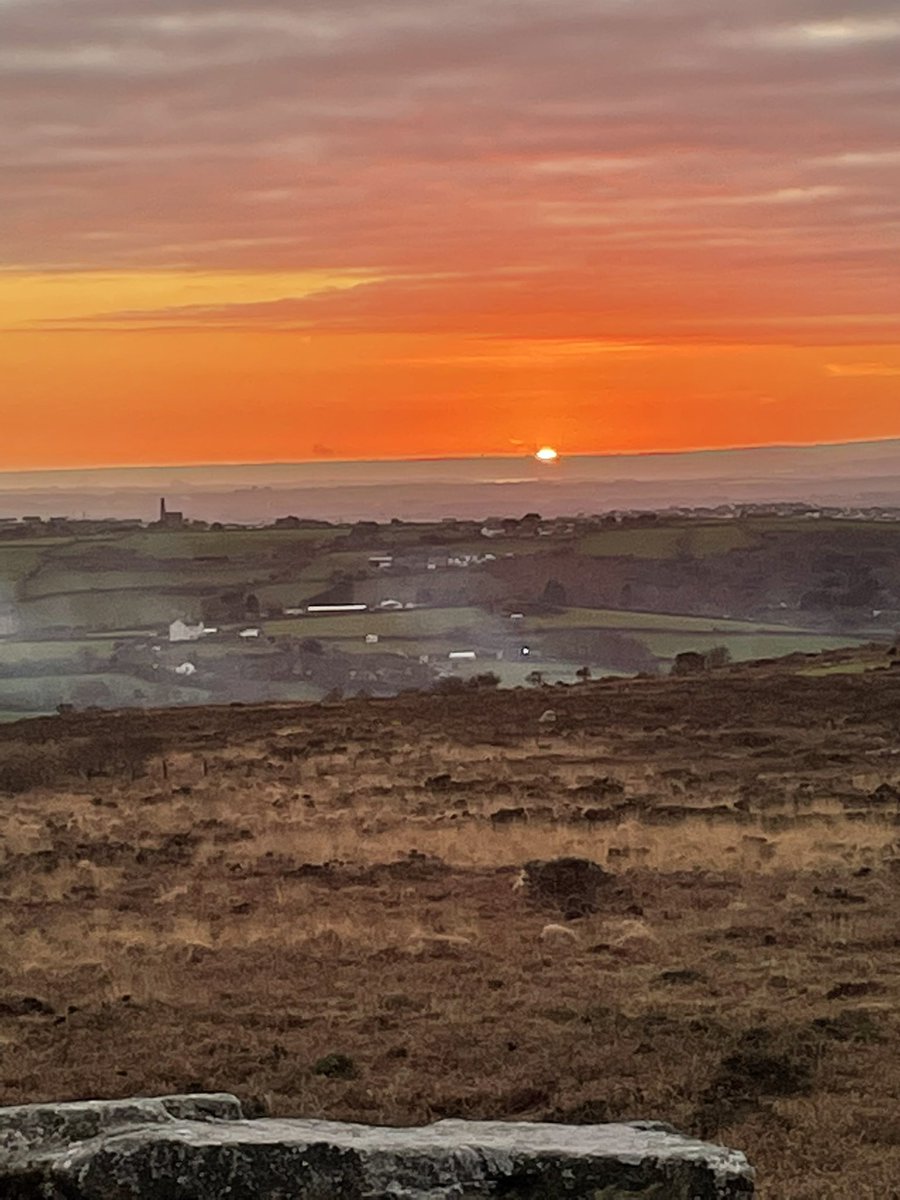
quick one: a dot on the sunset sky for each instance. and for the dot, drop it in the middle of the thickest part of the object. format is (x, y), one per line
(386, 228)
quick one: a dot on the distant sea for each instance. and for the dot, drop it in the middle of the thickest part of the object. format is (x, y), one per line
(857, 473)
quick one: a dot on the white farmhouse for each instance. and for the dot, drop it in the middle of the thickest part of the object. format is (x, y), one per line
(181, 631)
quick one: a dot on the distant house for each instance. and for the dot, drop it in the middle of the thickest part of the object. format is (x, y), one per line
(247, 634)
(392, 605)
(9, 622)
(181, 631)
(186, 668)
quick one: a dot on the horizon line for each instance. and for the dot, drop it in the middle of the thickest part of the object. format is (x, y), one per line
(436, 458)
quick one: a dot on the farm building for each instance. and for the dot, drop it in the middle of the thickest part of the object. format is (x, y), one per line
(182, 631)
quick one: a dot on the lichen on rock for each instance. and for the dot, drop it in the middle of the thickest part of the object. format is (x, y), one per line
(201, 1148)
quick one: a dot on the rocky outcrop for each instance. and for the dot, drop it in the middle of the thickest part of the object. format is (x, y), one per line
(200, 1148)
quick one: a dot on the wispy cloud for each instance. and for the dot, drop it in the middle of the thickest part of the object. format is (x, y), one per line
(863, 370)
(632, 166)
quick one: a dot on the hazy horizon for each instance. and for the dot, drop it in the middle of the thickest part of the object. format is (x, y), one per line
(513, 456)
(862, 472)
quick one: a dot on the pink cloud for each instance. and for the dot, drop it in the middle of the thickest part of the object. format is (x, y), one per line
(632, 168)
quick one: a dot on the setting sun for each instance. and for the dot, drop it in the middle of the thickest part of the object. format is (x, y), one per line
(546, 454)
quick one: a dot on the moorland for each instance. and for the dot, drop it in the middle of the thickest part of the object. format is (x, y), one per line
(327, 909)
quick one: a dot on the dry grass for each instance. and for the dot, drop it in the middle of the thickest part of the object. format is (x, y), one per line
(174, 913)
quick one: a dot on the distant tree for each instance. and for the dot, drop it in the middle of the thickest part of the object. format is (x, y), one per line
(719, 656)
(689, 662)
(312, 645)
(535, 678)
(363, 533)
(583, 673)
(449, 685)
(554, 593)
(486, 679)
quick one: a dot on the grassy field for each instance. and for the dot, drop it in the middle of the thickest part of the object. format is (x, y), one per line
(230, 543)
(15, 564)
(668, 541)
(218, 899)
(42, 693)
(409, 623)
(107, 610)
(515, 674)
(623, 619)
(190, 574)
(842, 668)
(14, 653)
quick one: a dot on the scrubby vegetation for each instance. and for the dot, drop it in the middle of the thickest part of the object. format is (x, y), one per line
(339, 910)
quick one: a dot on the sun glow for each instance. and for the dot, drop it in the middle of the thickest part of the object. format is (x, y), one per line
(546, 454)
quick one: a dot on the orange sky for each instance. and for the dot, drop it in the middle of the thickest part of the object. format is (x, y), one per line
(390, 228)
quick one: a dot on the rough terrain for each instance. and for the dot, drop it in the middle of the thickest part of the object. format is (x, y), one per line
(315, 907)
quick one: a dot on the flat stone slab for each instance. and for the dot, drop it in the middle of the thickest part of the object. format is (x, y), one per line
(201, 1148)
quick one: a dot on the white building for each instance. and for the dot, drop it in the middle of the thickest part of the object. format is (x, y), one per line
(336, 608)
(181, 631)
(9, 623)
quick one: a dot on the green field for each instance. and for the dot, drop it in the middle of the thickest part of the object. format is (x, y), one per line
(9, 715)
(613, 618)
(230, 543)
(56, 581)
(107, 610)
(44, 692)
(844, 668)
(515, 674)
(21, 653)
(15, 564)
(408, 623)
(667, 541)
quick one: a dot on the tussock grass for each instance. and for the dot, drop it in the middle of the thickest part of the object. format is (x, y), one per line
(250, 893)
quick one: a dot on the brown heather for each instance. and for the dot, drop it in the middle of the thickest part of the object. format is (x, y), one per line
(314, 907)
